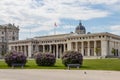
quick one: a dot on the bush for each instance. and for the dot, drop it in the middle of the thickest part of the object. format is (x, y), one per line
(46, 59)
(15, 58)
(72, 57)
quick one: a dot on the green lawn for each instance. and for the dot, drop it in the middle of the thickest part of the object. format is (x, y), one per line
(102, 64)
(88, 64)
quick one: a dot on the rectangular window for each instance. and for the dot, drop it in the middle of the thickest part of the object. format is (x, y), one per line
(2, 32)
(2, 39)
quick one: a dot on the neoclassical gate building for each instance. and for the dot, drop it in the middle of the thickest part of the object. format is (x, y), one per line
(90, 44)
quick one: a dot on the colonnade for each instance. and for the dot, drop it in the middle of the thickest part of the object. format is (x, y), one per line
(56, 49)
(86, 48)
(21, 48)
(30, 50)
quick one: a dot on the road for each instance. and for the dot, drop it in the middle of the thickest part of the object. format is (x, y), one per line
(45, 74)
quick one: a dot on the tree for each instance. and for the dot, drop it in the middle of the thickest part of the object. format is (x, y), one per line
(97, 50)
(113, 51)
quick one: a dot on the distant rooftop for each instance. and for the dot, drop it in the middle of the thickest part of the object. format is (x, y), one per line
(9, 26)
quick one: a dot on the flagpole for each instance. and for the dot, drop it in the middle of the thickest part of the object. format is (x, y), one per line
(54, 30)
(55, 25)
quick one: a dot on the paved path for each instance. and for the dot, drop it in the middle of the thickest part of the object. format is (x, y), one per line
(40, 74)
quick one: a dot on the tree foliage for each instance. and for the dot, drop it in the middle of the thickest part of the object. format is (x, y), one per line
(45, 59)
(72, 57)
(15, 58)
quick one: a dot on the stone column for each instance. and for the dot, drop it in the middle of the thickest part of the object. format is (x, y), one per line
(69, 46)
(10, 48)
(50, 48)
(56, 50)
(17, 48)
(110, 47)
(64, 47)
(82, 48)
(25, 52)
(13, 48)
(30, 50)
(88, 48)
(95, 48)
(76, 46)
(54, 47)
(43, 48)
(104, 47)
(36, 48)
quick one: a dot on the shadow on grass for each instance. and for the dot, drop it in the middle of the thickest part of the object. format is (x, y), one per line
(43, 67)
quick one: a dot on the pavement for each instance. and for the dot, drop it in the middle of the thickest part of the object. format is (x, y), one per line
(46, 74)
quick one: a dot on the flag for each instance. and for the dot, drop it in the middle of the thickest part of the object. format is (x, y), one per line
(55, 24)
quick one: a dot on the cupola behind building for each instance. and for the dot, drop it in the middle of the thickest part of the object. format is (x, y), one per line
(80, 29)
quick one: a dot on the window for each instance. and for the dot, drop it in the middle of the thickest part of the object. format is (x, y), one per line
(3, 46)
(2, 32)
(13, 38)
(2, 39)
(13, 33)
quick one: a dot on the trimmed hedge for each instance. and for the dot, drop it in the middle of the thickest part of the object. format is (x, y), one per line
(45, 59)
(15, 58)
(72, 57)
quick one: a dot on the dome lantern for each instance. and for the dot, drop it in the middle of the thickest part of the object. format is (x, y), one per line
(80, 29)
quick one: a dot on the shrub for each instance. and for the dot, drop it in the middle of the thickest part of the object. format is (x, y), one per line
(15, 58)
(46, 59)
(72, 57)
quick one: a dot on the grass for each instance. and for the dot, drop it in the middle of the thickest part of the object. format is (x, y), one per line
(102, 64)
(88, 64)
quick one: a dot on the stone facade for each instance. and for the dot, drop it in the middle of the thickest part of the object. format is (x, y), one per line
(8, 32)
(90, 45)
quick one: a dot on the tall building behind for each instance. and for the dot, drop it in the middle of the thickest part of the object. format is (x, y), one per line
(8, 32)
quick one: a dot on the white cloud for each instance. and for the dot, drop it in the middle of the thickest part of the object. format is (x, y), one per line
(24, 12)
(115, 32)
(45, 13)
(115, 27)
(68, 27)
(107, 2)
(37, 29)
(57, 32)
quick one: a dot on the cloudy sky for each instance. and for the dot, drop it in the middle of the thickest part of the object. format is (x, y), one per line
(37, 17)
